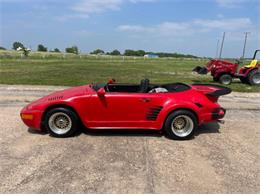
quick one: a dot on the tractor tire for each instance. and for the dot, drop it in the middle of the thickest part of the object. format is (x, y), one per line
(254, 77)
(244, 80)
(225, 79)
(216, 79)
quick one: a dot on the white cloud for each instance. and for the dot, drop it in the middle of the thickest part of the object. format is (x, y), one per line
(71, 16)
(188, 28)
(225, 24)
(135, 28)
(142, 1)
(89, 7)
(231, 3)
(96, 6)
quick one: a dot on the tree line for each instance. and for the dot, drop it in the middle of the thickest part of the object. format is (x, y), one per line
(128, 52)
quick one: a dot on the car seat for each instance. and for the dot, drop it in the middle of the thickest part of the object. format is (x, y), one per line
(144, 86)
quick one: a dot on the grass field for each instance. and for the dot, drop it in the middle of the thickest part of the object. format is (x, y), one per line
(72, 71)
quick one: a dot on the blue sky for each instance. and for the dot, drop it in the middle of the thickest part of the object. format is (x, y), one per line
(184, 26)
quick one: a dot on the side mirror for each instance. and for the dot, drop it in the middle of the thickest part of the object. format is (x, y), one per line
(101, 92)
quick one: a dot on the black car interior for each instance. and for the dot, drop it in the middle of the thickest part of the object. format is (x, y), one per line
(145, 87)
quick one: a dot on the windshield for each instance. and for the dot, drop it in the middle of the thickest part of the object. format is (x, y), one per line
(96, 87)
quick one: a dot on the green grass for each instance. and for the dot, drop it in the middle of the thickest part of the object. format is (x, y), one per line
(72, 71)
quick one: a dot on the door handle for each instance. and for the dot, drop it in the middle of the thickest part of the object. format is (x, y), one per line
(145, 99)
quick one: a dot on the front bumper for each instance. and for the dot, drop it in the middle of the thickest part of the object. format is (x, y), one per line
(31, 118)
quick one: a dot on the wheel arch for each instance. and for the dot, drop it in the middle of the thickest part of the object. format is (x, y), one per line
(222, 73)
(59, 106)
(253, 69)
(180, 108)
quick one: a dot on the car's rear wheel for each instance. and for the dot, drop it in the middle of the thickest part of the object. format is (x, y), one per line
(225, 79)
(61, 122)
(181, 124)
(254, 77)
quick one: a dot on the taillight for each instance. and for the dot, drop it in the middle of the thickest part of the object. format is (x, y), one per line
(218, 113)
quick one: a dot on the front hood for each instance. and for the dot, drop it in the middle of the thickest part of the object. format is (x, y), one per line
(68, 93)
(62, 95)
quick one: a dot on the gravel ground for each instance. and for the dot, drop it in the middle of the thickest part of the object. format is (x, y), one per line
(220, 159)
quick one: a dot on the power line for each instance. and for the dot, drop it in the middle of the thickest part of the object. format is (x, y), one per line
(244, 49)
(222, 44)
(217, 48)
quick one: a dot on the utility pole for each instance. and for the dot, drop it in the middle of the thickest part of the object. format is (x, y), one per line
(222, 44)
(217, 48)
(244, 49)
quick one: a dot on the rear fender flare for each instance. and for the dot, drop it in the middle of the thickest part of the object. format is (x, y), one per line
(187, 106)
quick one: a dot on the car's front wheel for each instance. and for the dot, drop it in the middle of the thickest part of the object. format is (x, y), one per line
(181, 124)
(61, 122)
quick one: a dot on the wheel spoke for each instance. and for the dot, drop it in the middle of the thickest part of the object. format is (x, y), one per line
(182, 125)
(60, 123)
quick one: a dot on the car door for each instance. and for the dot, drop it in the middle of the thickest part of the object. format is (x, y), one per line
(124, 110)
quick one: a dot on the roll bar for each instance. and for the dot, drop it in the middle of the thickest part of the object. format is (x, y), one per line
(255, 53)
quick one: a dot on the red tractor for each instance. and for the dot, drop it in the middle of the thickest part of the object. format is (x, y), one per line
(224, 71)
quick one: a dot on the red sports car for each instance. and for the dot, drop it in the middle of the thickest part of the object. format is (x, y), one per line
(176, 108)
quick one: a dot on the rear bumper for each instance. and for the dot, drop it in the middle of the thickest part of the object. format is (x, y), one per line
(215, 115)
(218, 113)
(31, 118)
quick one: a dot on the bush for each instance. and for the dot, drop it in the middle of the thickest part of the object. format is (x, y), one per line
(16, 45)
(73, 49)
(42, 48)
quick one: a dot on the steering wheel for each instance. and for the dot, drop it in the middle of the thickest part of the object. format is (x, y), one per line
(106, 87)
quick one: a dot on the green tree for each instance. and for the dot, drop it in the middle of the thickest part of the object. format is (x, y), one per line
(73, 49)
(42, 48)
(56, 50)
(97, 51)
(17, 45)
(115, 53)
(140, 53)
(129, 52)
(2, 48)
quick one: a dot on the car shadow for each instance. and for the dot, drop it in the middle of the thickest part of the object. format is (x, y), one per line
(208, 128)
(196, 81)
(203, 129)
(35, 131)
(123, 132)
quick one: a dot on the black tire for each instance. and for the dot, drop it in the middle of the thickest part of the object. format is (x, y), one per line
(62, 114)
(169, 126)
(216, 79)
(244, 80)
(225, 79)
(252, 80)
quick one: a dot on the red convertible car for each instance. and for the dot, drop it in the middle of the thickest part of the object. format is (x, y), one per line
(176, 108)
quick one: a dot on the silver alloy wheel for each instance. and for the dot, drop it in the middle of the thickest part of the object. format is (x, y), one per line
(60, 123)
(182, 125)
(256, 78)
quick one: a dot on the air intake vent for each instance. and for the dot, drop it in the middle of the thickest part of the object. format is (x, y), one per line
(153, 113)
(55, 98)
